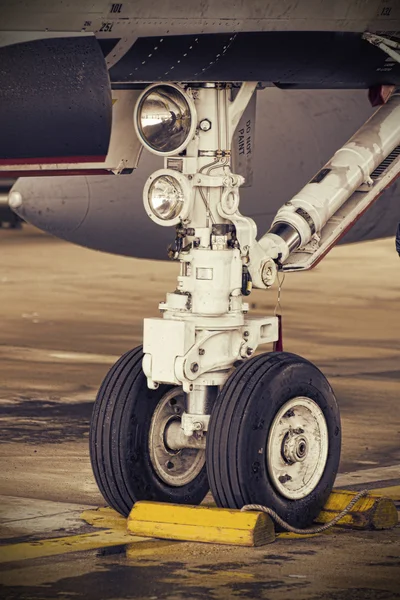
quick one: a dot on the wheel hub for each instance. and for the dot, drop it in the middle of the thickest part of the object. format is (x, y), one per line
(297, 448)
(173, 467)
(294, 447)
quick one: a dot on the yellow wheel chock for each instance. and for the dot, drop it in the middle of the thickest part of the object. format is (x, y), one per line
(200, 524)
(227, 526)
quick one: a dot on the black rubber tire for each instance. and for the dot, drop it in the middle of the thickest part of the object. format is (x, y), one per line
(239, 427)
(119, 450)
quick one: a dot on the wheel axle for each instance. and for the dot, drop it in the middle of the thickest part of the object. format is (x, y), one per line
(176, 439)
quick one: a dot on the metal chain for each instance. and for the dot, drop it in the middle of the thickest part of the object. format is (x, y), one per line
(310, 530)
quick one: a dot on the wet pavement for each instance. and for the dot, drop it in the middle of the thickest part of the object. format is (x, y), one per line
(69, 313)
(339, 565)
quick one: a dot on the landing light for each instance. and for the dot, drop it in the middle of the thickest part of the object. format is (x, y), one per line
(167, 197)
(165, 119)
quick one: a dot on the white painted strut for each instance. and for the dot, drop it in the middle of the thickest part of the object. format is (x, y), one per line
(204, 328)
(351, 166)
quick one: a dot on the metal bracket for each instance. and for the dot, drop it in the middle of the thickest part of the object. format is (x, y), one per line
(230, 181)
(194, 423)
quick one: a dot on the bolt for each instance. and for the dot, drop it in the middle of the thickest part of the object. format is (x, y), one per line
(194, 367)
(249, 351)
(197, 426)
(246, 334)
(205, 125)
(268, 272)
(267, 275)
(177, 409)
(202, 351)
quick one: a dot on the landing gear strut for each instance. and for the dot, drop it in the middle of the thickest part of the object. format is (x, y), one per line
(196, 408)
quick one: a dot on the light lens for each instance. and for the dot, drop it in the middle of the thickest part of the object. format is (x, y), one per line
(164, 119)
(166, 197)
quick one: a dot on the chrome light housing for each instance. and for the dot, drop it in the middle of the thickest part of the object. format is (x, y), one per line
(165, 119)
(167, 197)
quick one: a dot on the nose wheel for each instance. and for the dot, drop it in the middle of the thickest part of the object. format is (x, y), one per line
(129, 451)
(274, 438)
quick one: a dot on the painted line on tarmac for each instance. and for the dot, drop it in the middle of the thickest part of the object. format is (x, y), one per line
(392, 492)
(376, 475)
(65, 545)
(117, 536)
(51, 355)
(372, 485)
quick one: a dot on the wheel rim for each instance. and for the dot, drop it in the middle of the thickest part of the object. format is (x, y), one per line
(297, 448)
(173, 467)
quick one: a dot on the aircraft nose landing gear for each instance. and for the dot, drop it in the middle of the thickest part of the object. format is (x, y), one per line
(176, 418)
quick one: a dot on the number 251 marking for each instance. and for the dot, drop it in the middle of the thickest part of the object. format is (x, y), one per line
(106, 27)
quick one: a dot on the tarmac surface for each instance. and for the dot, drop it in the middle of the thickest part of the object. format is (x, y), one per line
(68, 314)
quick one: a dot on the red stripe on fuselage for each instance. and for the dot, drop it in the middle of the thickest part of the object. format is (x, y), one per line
(52, 160)
(49, 172)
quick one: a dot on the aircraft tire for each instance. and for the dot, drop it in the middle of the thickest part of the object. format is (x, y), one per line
(120, 450)
(274, 438)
